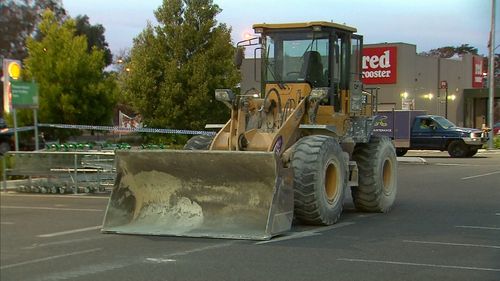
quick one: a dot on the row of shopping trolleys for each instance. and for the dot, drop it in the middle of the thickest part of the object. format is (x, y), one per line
(54, 188)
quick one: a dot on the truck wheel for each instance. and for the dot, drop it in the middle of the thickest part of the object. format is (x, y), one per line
(458, 149)
(472, 151)
(199, 142)
(401, 151)
(377, 170)
(320, 177)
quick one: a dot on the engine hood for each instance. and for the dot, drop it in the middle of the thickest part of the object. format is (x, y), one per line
(465, 130)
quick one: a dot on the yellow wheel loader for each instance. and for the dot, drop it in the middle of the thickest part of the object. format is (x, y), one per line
(289, 151)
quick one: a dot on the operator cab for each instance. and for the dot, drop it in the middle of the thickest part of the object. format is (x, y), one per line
(322, 54)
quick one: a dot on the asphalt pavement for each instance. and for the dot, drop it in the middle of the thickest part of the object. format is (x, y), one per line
(445, 225)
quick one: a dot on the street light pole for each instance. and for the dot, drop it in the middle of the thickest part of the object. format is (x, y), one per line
(491, 74)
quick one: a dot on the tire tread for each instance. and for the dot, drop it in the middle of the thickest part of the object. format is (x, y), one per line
(368, 196)
(306, 155)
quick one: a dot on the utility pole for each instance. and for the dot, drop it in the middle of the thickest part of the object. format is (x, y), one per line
(491, 75)
(446, 103)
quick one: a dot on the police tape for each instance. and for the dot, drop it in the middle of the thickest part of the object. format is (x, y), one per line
(20, 129)
(117, 129)
(125, 129)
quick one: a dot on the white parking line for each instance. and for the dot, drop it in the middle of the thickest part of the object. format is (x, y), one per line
(452, 244)
(421, 264)
(482, 175)
(497, 214)
(160, 260)
(85, 269)
(49, 258)
(201, 249)
(307, 233)
(51, 209)
(295, 235)
(478, 227)
(456, 164)
(71, 241)
(70, 231)
(6, 223)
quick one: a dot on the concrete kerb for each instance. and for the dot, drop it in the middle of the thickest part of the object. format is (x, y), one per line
(489, 151)
(413, 160)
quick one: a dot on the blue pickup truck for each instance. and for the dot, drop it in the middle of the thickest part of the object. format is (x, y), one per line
(414, 129)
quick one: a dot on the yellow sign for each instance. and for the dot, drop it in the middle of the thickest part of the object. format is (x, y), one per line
(14, 70)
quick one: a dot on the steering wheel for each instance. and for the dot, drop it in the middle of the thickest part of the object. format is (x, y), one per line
(293, 75)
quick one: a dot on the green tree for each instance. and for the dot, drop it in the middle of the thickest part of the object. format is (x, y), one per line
(95, 36)
(176, 66)
(450, 51)
(465, 49)
(74, 89)
(18, 21)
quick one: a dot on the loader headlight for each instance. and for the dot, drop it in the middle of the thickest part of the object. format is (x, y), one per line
(224, 95)
(319, 93)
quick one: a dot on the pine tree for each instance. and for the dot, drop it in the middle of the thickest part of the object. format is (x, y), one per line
(176, 66)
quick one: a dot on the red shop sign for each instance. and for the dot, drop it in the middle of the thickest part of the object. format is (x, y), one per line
(477, 72)
(380, 65)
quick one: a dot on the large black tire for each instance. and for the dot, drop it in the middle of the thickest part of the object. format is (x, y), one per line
(472, 151)
(401, 151)
(458, 149)
(199, 142)
(320, 176)
(377, 170)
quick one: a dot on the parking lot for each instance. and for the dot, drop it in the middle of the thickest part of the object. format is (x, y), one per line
(445, 225)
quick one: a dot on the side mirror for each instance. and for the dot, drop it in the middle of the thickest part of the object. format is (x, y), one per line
(239, 56)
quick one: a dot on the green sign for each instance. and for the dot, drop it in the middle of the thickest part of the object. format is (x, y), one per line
(24, 94)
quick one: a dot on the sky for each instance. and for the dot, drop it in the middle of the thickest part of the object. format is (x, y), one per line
(428, 24)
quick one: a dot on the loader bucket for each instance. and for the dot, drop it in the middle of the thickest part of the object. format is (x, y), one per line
(220, 194)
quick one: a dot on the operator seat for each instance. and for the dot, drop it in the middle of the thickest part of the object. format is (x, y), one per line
(312, 69)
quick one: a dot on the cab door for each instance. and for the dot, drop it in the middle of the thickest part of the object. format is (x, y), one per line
(425, 134)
